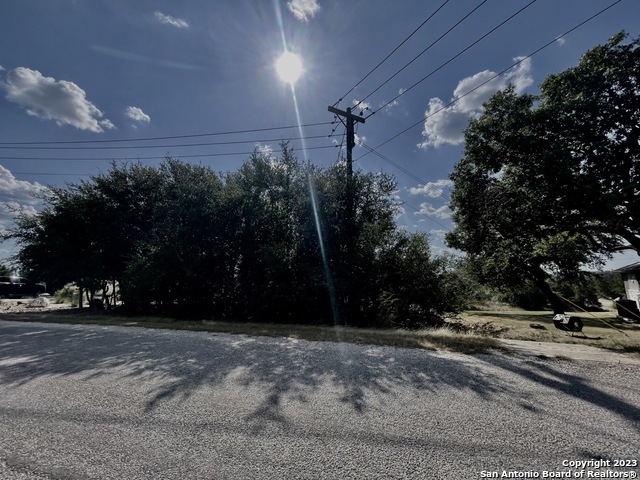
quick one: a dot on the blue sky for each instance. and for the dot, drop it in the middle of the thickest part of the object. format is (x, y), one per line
(98, 71)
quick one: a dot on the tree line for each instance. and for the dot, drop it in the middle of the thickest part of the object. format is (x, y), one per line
(275, 241)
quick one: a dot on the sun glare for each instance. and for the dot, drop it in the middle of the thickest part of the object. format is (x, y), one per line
(289, 67)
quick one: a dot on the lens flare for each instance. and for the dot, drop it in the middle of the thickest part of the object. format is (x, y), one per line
(289, 67)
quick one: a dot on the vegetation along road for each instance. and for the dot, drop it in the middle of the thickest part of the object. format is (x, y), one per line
(90, 401)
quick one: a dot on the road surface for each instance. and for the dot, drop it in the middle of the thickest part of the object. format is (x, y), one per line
(85, 402)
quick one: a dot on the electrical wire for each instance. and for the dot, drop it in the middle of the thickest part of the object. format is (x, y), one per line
(344, 135)
(452, 58)
(585, 311)
(129, 159)
(522, 59)
(111, 147)
(399, 167)
(53, 173)
(422, 53)
(171, 137)
(88, 159)
(392, 52)
(386, 159)
(419, 210)
(391, 162)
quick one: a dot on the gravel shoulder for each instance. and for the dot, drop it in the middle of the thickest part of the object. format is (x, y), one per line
(22, 309)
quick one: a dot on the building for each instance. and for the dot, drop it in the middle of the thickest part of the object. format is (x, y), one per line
(630, 276)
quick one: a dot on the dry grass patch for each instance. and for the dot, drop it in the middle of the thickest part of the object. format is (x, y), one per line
(472, 332)
(438, 339)
(602, 329)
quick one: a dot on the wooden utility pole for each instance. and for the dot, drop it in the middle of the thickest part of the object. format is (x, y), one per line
(349, 302)
(351, 120)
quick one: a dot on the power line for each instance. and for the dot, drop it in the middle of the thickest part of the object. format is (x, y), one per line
(402, 169)
(450, 60)
(171, 137)
(392, 52)
(522, 59)
(423, 52)
(391, 162)
(344, 134)
(126, 159)
(56, 173)
(419, 210)
(111, 147)
(88, 159)
(412, 175)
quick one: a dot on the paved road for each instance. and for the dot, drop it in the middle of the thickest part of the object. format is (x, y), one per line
(84, 402)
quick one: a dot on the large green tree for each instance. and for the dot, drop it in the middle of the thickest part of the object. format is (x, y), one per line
(87, 231)
(277, 240)
(550, 183)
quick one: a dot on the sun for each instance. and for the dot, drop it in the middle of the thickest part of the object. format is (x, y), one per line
(289, 67)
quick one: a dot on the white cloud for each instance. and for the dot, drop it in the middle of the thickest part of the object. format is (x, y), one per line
(560, 41)
(16, 195)
(438, 234)
(265, 150)
(359, 139)
(431, 189)
(2, 69)
(390, 106)
(106, 123)
(445, 125)
(395, 103)
(169, 20)
(303, 9)
(361, 106)
(441, 212)
(51, 99)
(137, 115)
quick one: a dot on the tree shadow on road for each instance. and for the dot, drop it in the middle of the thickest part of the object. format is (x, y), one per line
(183, 363)
(572, 386)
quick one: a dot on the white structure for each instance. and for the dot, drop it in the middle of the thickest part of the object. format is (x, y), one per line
(630, 276)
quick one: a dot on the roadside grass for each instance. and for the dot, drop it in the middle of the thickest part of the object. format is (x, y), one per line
(428, 339)
(474, 331)
(602, 329)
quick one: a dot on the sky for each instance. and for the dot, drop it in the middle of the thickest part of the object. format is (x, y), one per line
(84, 82)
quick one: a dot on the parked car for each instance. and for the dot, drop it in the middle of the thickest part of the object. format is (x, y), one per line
(15, 287)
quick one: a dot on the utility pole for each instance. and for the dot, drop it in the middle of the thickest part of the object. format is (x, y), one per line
(350, 302)
(351, 119)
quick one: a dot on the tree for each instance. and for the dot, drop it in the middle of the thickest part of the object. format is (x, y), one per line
(183, 240)
(549, 183)
(593, 118)
(183, 261)
(87, 231)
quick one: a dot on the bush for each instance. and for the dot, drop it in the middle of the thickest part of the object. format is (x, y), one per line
(70, 293)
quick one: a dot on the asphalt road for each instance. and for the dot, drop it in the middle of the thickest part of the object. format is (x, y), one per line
(84, 402)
